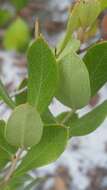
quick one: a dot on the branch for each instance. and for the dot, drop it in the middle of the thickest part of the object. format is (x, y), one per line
(13, 165)
(15, 93)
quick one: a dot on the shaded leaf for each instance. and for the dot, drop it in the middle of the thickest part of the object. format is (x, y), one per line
(6, 150)
(66, 118)
(21, 98)
(5, 16)
(96, 62)
(5, 96)
(19, 4)
(48, 118)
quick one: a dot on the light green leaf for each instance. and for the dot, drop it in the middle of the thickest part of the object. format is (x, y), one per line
(48, 150)
(5, 96)
(83, 14)
(103, 4)
(42, 75)
(72, 45)
(88, 12)
(24, 127)
(89, 122)
(74, 84)
(21, 98)
(19, 4)
(17, 35)
(96, 62)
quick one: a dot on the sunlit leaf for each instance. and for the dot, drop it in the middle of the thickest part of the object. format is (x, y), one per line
(74, 84)
(42, 75)
(17, 35)
(89, 122)
(48, 150)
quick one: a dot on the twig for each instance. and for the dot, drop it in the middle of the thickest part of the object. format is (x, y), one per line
(15, 93)
(13, 165)
(8, 175)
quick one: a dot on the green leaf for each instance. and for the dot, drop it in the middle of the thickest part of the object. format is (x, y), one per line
(89, 122)
(5, 96)
(19, 183)
(6, 150)
(5, 16)
(17, 35)
(83, 14)
(66, 118)
(74, 84)
(19, 4)
(88, 12)
(4, 158)
(103, 4)
(48, 150)
(72, 45)
(42, 75)
(24, 127)
(21, 98)
(96, 62)
(48, 118)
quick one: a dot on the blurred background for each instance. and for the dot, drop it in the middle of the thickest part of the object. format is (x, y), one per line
(83, 165)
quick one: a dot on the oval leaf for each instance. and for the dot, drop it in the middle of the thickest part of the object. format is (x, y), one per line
(74, 84)
(24, 127)
(96, 63)
(48, 150)
(42, 75)
(90, 122)
(17, 35)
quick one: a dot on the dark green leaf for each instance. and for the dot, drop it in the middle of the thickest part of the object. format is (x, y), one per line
(21, 98)
(5, 16)
(90, 122)
(48, 150)
(19, 4)
(42, 73)
(48, 118)
(4, 158)
(66, 118)
(5, 96)
(96, 62)
(6, 150)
